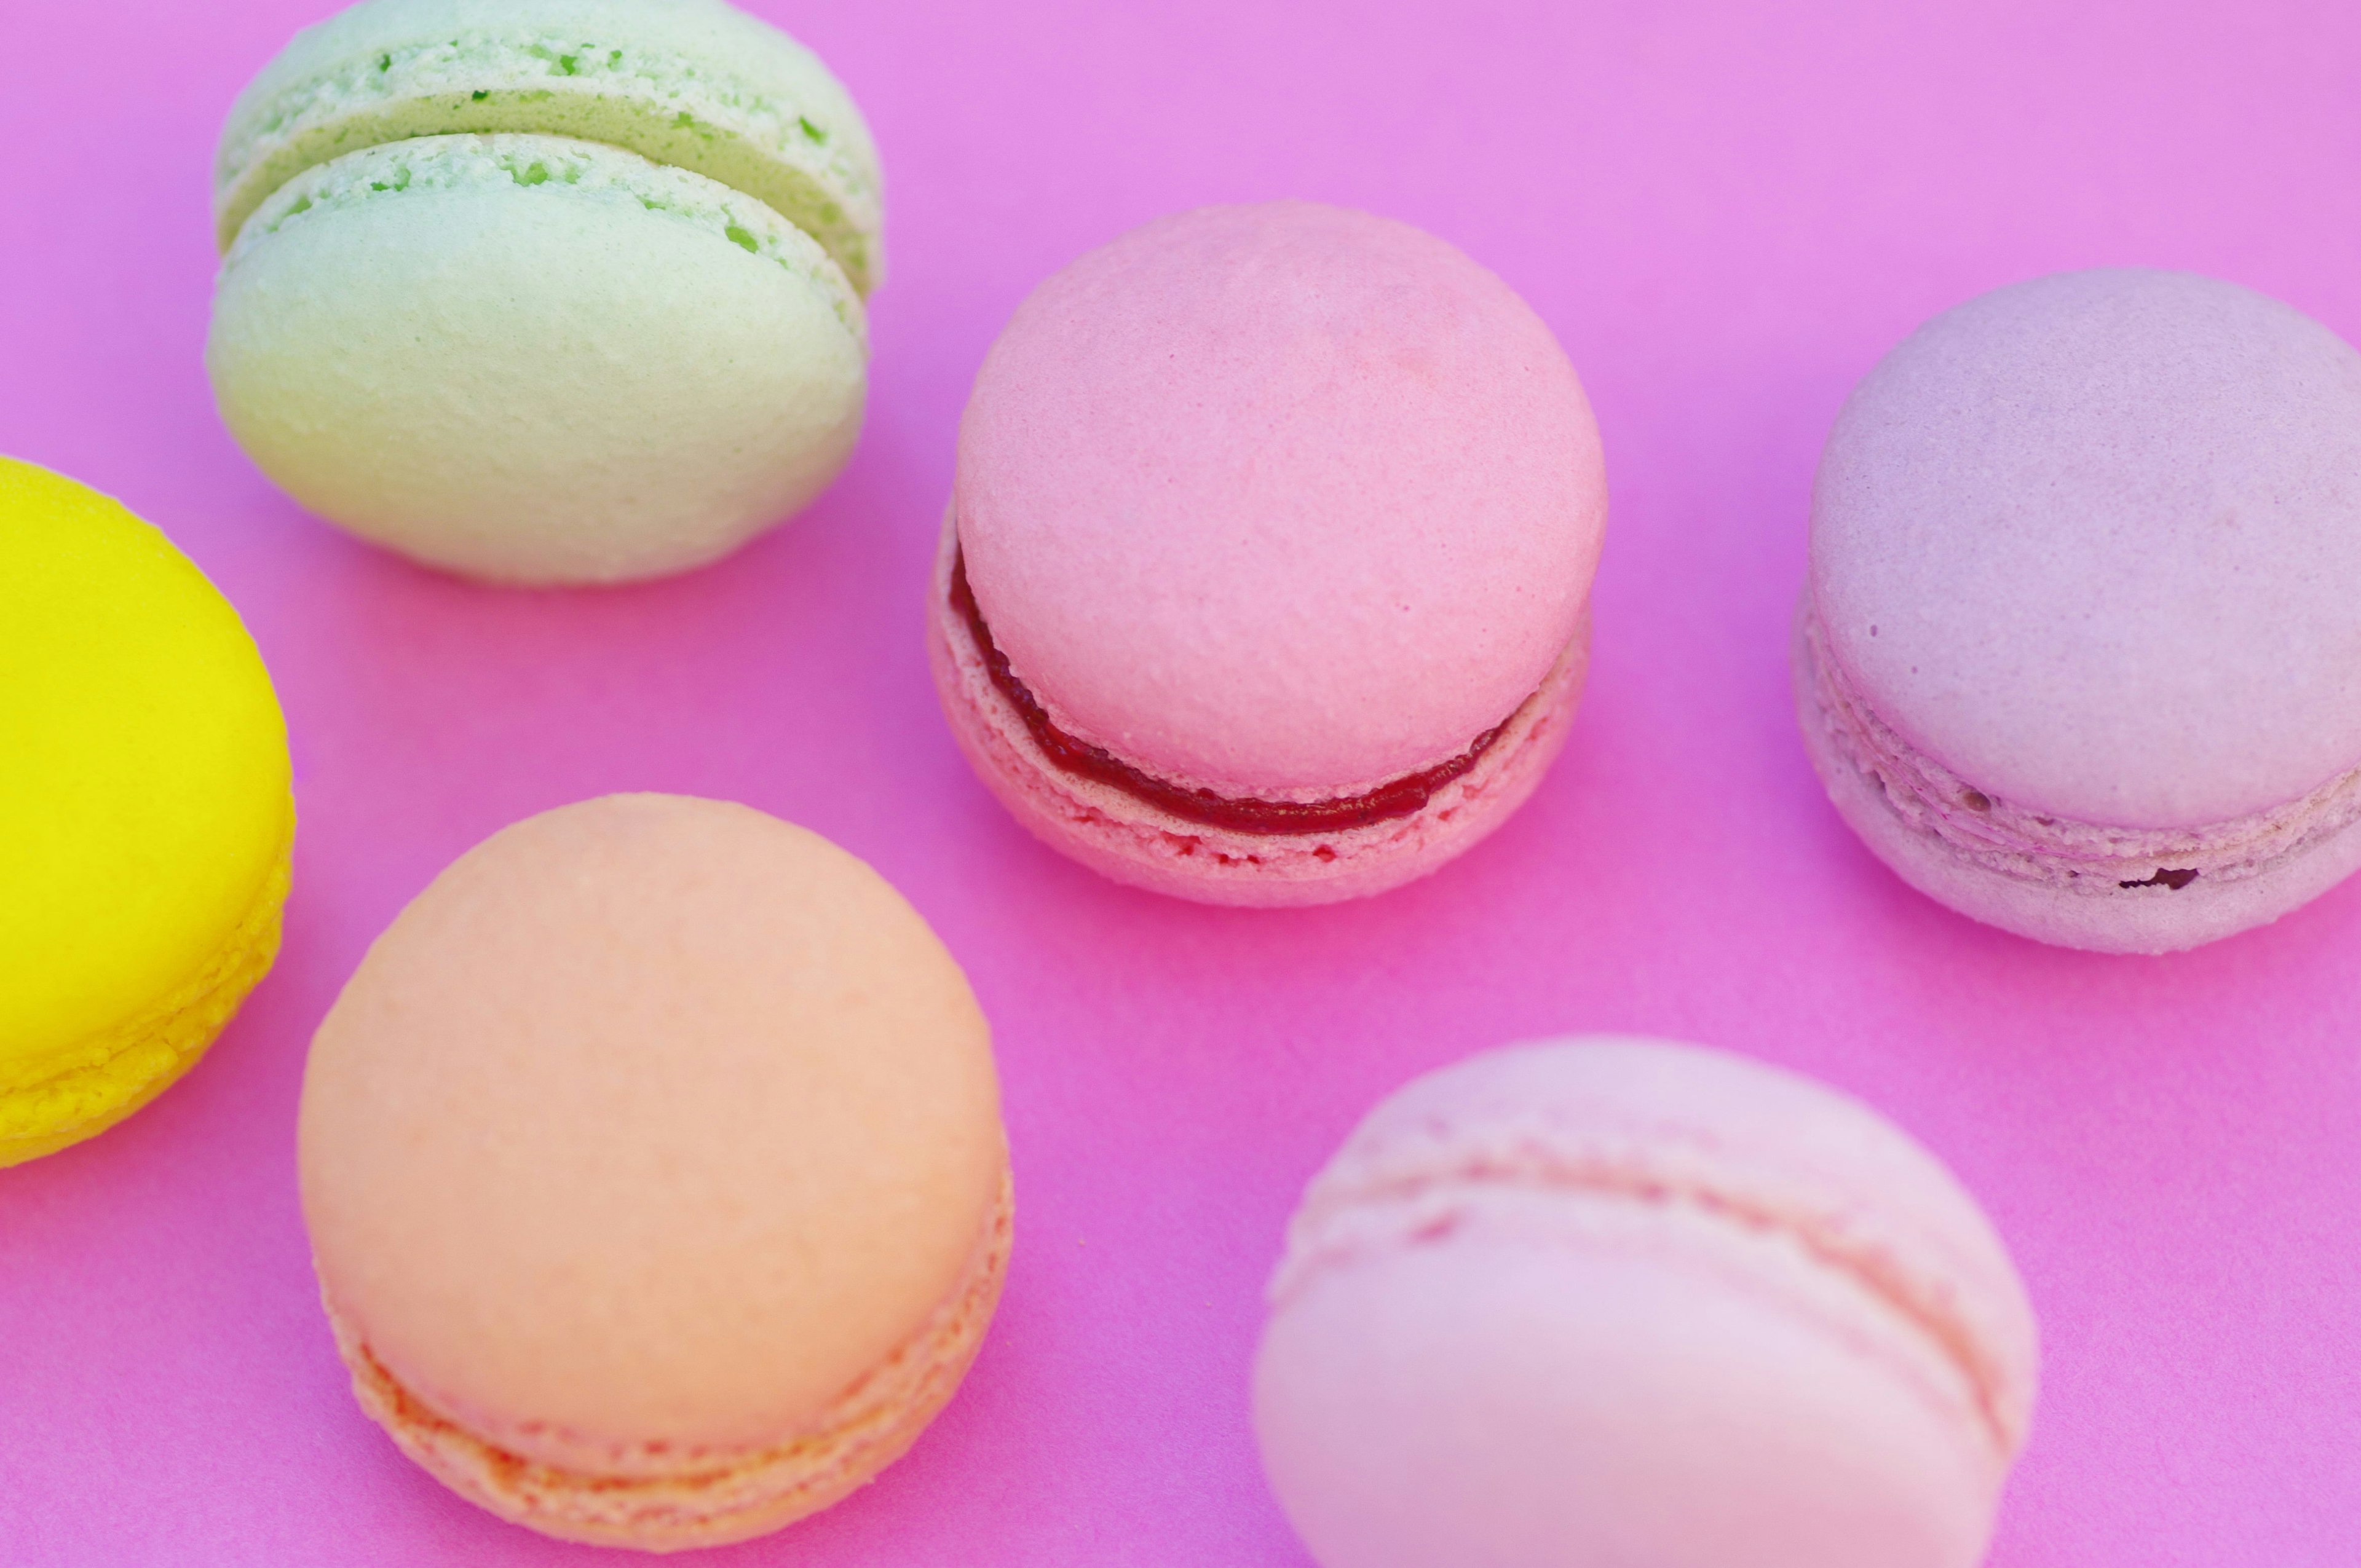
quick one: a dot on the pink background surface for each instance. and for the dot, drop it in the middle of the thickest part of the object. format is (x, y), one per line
(1727, 212)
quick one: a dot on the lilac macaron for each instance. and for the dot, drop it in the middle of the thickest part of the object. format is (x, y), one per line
(1619, 1301)
(2081, 652)
(1265, 574)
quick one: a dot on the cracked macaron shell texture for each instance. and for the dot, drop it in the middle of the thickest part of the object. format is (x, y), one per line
(1283, 501)
(696, 85)
(147, 818)
(1618, 1300)
(2091, 544)
(654, 1173)
(533, 358)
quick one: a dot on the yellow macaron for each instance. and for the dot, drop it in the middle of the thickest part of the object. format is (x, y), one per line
(147, 813)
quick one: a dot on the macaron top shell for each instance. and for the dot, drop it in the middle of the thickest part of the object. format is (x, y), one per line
(2093, 542)
(143, 795)
(647, 1130)
(1282, 501)
(1746, 1144)
(694, 83)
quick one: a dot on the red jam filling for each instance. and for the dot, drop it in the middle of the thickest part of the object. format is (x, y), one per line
(1397, 798)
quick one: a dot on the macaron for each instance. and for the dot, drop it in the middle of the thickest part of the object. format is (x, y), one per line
(1619, 1300)
(547, 291)
(2076, 654)
(654, 1174)
(1265, 574)
(146, 812)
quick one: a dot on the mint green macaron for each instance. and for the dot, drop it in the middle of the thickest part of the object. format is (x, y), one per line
(692, 83)
(547, 291)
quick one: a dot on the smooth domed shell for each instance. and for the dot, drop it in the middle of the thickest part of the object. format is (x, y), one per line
(533, 358)
(2093, 542)
(144, 773)
(648, 1129)
(1802, 1157)
(1279, 498)
(1620, 1300)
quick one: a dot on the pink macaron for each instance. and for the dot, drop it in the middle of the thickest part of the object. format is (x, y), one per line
(2081, 653)
(1619, 1301)
(1265, 574)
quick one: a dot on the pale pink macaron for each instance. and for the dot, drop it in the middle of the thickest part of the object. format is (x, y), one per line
(1619, 1301)
(654, 1167)
(1267, 569)
(2081, 652)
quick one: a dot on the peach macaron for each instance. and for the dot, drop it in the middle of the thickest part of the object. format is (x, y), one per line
(1266, 577)
(654, 1173)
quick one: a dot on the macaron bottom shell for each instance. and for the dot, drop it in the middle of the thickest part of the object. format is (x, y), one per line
(1130, 840)
(1558, 1383)
(2108, 918)
(538, 360)
(681, 1501)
